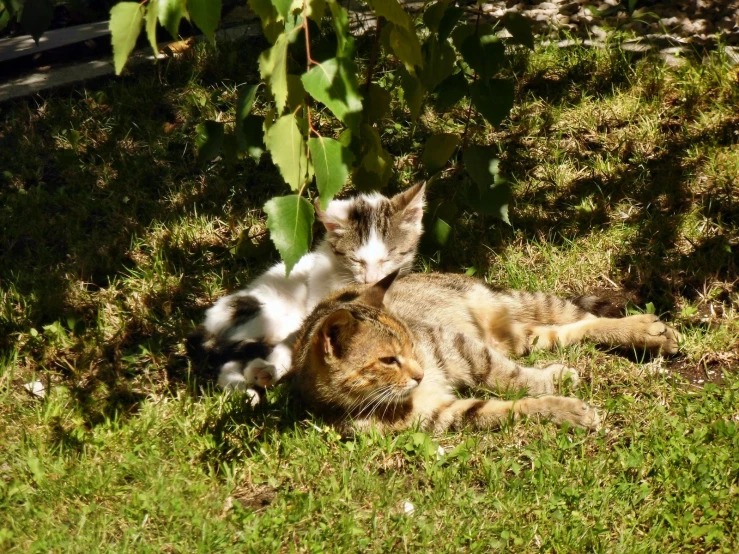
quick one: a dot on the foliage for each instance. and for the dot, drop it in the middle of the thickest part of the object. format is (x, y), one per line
(322, 125)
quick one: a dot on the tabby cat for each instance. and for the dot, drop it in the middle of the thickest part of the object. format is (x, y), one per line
(392, 357)
(249, 334)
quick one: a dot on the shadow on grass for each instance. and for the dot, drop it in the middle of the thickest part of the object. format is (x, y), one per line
(92, 187)
(99, 183)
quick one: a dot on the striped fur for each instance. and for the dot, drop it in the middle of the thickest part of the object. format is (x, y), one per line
(249, 334)
(392, 357)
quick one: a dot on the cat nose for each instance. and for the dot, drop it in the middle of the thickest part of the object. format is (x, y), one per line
(414, 371)
(371, 276)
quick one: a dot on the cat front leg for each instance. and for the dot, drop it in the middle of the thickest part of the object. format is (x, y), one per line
(490, 414)
(231, 378)
(472, 362)
(267, 373)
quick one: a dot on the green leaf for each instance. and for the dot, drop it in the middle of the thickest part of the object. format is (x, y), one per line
(413, 92)
(206, 14)
(230, 148)
(520, 28)
(126, 20)
(334, 83)
(295, 92)
(170, 14)
(285, 7)
(440, 231)
(393, 12)
(4, 18)
(331, 161)
(451, 90)
(245, 102)
(340, 23)
(494, 99)
(287, 147)
(376, 103)
(315, 10)
(483, 53)
(447, 23)
(290, 223)
(376, 166)
(251, 138)
(492, 195)
(439, 149)
(439, 59)
(208, 140)
(268, 16)
(405, 45)
(273, 70)
(152, 9)
(434, 13)
(36, 17)
(460, 34)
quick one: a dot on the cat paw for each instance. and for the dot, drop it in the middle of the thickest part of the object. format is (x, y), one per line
(654, 335)
(561, 409)
(260, 372)
(231, 378)
(560, 374)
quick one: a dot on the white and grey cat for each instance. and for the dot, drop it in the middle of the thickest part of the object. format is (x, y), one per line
(250, 333)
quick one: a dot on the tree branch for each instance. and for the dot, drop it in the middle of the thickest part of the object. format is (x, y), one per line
(309, 61)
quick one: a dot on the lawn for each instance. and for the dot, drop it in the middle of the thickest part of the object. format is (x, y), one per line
(114, 240)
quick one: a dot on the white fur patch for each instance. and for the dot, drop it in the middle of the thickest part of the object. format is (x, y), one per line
(230, 377)
(373, 254)
(336, 215)
(219, 316)
(373, 199)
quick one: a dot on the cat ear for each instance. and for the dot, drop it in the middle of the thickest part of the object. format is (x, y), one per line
(375, 295)
(336, 328)
(410, 203)
(334, 216)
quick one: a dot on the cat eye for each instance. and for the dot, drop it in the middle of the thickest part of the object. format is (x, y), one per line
(390, 360)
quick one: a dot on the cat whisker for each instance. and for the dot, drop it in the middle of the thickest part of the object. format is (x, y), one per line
(374, 399)
(369, 400)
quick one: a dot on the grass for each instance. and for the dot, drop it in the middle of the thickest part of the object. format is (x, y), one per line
(114, 241)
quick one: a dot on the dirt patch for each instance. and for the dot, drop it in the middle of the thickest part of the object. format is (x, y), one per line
(256, 497)
(709, 369)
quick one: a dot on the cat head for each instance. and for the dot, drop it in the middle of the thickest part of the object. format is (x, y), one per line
(372, 235)
(363, 357)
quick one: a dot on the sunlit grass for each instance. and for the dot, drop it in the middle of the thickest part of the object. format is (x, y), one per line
(114, 240)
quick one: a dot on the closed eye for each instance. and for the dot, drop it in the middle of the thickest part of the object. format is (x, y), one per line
(390, 360)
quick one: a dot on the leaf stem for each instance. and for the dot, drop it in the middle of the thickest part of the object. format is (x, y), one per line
(373, 56)
(310, 60)
(310, 123)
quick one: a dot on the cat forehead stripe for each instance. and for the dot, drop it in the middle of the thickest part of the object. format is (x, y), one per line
(369, 216)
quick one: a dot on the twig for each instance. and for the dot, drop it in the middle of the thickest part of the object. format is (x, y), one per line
(309, 61)
(310, 123)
